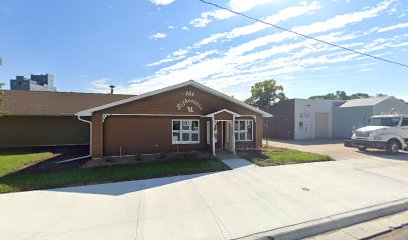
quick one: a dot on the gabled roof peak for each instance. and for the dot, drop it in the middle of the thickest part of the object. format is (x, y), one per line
(361, 102)
(200, 86)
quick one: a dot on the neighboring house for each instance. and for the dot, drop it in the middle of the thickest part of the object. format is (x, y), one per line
(43, 82)
(183, 117)
(356, 113)
(301, 119)
(47, 118)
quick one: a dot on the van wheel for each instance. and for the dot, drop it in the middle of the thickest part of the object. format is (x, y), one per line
(392, 147)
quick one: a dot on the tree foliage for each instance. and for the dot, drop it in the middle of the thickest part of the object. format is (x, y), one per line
(342, 95)
(265, 93)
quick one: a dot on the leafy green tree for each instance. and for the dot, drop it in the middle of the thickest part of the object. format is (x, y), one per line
(359, 95)
(380, 95)
(265, 93)
(342, 95)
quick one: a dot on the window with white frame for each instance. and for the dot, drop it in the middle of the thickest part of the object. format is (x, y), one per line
(185, 131)
(244, 130)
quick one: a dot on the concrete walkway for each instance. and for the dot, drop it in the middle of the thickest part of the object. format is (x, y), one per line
(233, 161)
(245, 202)
(238, 163)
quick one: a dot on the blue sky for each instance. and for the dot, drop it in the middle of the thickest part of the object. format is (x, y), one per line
(149, 44)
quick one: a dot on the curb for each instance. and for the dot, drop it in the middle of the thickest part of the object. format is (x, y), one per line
(335, 222)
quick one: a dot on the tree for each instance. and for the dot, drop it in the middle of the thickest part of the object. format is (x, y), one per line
(381, 95)
(265, 93)
(359, 95)
(342, 95)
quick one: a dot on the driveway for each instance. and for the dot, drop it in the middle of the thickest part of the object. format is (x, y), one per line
(224, 205)
(335, 149)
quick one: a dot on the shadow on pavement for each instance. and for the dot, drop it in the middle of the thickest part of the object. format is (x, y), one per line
(120, 188)
(401, 156)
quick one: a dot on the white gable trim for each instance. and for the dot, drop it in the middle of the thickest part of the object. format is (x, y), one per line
(90, 111)
(223, 110)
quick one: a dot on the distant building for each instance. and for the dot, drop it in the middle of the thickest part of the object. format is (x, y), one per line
(43, 82)
(356, 113)
(300, 119)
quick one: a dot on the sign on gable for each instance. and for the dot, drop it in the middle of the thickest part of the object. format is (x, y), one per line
(189, 102)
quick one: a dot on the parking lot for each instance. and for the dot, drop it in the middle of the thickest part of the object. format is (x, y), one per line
(335, 149)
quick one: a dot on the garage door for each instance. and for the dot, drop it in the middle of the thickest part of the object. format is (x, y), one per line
(322, 125)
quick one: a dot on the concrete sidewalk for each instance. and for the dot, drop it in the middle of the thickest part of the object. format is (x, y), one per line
(225, 205)
(238, 163)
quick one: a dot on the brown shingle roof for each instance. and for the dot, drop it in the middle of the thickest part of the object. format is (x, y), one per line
(53, 103)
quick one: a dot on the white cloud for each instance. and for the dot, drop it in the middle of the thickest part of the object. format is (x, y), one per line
(102, 86)
(176, 55)
(162, 2)
(398, 26)
(337, 22)
(219, 14)
(158, 35)
(185, 28)
(284, 14)
(365, 69)
(170, 27)
(274, 55)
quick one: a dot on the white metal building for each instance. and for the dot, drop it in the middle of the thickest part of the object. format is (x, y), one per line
(314, 118)
(356, 113)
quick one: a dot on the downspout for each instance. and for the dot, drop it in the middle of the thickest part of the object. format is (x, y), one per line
(90, 143)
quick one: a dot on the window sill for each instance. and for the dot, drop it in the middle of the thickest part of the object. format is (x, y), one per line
(185, 143)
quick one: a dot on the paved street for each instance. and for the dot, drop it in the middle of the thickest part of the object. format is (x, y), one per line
(224, 205)
(335, 148)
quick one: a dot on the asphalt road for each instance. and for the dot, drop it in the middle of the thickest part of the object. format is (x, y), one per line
(335, 148)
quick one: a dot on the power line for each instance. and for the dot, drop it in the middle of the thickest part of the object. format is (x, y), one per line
(304, 35)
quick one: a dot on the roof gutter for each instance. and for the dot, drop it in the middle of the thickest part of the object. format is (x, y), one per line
(90, 143)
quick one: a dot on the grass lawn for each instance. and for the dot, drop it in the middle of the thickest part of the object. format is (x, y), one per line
(13, 181)
(281, 156)
(14, 159)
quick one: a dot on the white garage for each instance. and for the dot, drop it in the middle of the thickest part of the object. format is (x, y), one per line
(313, 118)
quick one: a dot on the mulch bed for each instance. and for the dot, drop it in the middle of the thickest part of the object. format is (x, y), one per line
(145, 158)
(60, 153)
(69, 152)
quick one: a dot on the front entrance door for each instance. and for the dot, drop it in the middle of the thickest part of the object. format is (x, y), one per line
(223, 135)
(220, 135)
(229, 134)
